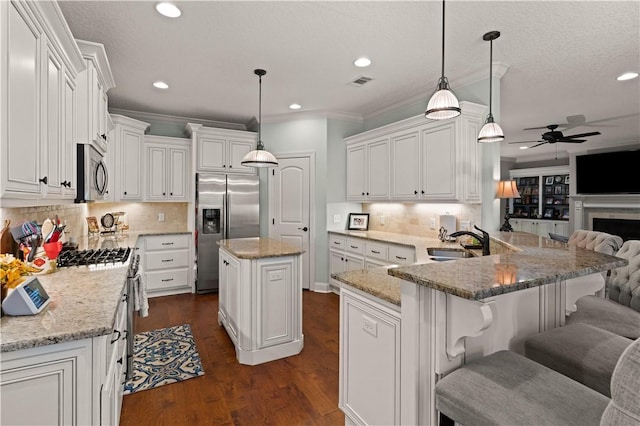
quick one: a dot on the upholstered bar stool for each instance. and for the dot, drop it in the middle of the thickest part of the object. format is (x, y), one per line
(596, 241)
(505, 388)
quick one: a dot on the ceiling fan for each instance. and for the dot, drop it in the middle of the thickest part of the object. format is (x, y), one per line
(553, 136)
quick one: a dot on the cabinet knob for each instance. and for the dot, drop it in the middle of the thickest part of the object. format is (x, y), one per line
(125, 192)
(224, 166)
(422, 191)
(363, 193)
(43, 180)
(119, 361)
(415, 192)
(230, 165)
(103, 136)
(367, 193)
(171, 193)
(164, 193)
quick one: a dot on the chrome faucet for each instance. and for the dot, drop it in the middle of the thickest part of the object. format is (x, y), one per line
(484, 239)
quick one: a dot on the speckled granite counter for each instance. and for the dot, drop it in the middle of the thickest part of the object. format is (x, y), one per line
(258, 248)
(520, 261)
(83, 304)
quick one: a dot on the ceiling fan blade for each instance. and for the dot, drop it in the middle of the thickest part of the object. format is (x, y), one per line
(613, 118)
(541, 143)
(540, 128)
(571, 140)
(582, 135)
(525, 142)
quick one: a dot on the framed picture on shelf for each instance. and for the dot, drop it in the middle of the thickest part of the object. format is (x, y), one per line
(525, 212)
(558, 189)
(558, 201)
(548, 200)
(548, 190)
(534, 200)
(527, 190)
(517, 212)
(536, 190)
(358, 221)
(566, 189)
(534, 212)
(559, 179)
(548, 180)
(548, 213)
(565, 213)
(566, 179)
(526, 199)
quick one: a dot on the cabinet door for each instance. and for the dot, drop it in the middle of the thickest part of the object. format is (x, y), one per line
(237, 150)
(131, 164)
(52, 142)
(21, 147)
(276, 291)
(69, 137)
(561, 228)
(356, 172)
(543, 228)
(178, 174)
(212, 154)
(439, 163)
(353, 263)
(336, 262)
(405, 148)
(378, 170)
(156, 173)
(223, 282)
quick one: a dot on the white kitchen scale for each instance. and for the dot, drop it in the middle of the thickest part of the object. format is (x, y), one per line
(28, 298)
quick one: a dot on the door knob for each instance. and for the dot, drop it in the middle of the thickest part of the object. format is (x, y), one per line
(305, 229)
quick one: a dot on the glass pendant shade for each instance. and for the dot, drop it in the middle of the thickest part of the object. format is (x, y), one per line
(259, 157)
(443, 103)
(491, 131)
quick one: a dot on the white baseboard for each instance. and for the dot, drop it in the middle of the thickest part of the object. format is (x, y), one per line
(320, 287)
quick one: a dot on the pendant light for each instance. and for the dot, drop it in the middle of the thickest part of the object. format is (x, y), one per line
(260, 157)
(491, 131)
(443, 103)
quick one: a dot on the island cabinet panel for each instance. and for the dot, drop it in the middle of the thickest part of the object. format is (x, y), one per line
(369, 360)
(428, 160)
(47, 385)
(260, 305)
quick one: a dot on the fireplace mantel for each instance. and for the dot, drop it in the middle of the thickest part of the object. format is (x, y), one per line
(615, 206)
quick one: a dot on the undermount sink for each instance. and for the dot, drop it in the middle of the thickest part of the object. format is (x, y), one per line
(440, 254)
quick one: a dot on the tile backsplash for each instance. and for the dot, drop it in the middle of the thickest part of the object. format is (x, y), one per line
(139, 216)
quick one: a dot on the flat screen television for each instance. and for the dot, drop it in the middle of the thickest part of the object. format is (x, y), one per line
(608, 173)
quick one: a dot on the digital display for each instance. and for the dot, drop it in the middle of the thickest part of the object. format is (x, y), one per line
(36, 293)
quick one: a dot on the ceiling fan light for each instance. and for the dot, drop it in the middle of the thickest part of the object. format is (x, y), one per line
(490, 132)
(443, 103)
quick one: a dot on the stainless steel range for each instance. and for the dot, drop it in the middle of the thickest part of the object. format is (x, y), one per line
(101, 256)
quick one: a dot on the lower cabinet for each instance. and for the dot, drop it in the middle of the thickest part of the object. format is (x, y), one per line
(540, 227)
(260, 306)
(369, 359)
(165, 262)
(79, 382)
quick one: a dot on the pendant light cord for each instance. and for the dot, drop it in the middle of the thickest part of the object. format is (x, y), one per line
(259, 109)
(443, 38)
(490, 76)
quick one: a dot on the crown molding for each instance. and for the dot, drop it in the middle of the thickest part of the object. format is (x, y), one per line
(307, 115)
(175, 119)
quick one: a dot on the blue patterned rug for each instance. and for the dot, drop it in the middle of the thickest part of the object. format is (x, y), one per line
(163, 356)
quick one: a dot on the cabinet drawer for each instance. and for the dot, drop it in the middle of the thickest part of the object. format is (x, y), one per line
(336, 242)
(376, 251)
(161, 280)
(164, 242)
(355, 245)
(401, 255)
(166, 260)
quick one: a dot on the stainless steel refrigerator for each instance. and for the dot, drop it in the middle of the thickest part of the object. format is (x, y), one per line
(226, 207)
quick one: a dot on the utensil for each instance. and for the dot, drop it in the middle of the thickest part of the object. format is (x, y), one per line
(47, 229)
(57, 232)
(34, 241)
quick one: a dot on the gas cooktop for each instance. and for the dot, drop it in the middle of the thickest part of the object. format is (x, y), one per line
(100, 256)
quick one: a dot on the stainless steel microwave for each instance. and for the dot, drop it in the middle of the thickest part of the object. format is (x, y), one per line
(92, 174)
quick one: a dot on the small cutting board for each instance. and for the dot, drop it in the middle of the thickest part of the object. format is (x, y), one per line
(7, 243)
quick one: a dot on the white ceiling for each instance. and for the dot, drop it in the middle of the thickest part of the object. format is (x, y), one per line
(563, 58)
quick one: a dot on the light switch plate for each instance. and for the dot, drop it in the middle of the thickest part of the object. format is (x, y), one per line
(432, 223)
(336, 218)
(160, 217)
(465, 225)
(381, 220)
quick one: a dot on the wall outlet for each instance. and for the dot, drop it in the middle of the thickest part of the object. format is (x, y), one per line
(432, 223)
(381, 220)
(160, 217)
(336, 218)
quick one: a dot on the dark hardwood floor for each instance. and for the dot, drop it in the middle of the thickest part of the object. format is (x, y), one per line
(298, 390)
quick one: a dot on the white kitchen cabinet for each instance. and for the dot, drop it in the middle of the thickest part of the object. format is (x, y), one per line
(221, 150)
(126, 158)
(430, 160)
(540, 227)
(368, 171)
(68, 133)
(40, 59)
(93, 84)
(168, 170)
(166, 262)
(369, 390)
(260, 306)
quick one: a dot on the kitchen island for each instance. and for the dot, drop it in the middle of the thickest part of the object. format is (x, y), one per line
(450, 313)
(260, 299)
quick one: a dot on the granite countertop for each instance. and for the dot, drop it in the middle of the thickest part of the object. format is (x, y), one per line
(258, 248)
(518, 261)
(84, 300)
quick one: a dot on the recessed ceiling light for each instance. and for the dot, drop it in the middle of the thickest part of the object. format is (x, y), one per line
(161, 85)
(167, 9)
(295, 106)
(362, 62)
(524, 147)
(627, 76)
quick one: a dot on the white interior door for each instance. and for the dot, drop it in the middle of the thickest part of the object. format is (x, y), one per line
(290, 207)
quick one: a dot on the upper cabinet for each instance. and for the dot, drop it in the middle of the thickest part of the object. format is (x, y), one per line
(40, 67)
(127, 156)
(418, 160)
(92, 87)
(221, 150)
(168, 171)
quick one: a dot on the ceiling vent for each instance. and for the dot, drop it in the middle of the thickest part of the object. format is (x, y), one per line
(361, 81)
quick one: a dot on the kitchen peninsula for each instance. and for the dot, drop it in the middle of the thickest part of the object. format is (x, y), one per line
(449, 313)
(260, 300)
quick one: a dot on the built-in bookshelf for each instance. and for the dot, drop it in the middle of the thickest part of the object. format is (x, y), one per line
(543, 194)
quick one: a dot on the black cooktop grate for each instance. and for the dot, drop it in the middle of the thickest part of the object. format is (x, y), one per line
(93, 256)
